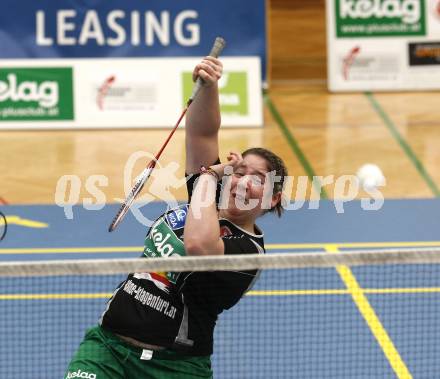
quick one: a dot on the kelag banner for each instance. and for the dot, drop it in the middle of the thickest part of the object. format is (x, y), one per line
(388, 45)
(28, 94)
(135, 28)
(119, 93)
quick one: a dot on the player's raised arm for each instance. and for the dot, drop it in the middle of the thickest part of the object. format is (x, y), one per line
(203, 118)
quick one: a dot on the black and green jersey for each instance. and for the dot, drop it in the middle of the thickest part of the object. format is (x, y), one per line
(179, 310)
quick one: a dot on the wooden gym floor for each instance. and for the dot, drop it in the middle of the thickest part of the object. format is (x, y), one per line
(316, 133)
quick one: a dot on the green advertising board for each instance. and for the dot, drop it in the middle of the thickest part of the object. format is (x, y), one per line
(233, 92)
(380, 18)
(36, 93)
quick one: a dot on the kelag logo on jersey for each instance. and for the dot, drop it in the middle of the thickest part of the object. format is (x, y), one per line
(162, 242)
(176, 218)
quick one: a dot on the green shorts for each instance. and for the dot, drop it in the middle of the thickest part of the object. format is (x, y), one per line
(102, 355)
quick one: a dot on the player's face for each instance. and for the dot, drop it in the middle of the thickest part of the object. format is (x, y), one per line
(250, 188)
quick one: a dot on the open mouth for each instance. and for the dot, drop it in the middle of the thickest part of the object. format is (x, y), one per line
(240, 199)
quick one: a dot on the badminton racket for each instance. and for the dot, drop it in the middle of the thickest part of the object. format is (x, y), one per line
(217, 48)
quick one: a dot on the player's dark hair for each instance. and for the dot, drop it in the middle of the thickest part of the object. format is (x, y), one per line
(275, 163)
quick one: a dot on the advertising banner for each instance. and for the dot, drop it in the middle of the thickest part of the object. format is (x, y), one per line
(134, 92)
(383, 45)
(135, 28)
(53, 55)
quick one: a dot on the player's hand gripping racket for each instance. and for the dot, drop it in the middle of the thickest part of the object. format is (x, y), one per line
(218, 46)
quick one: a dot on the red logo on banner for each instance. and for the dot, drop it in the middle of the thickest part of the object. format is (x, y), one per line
(102, 91)
(434, 8)
(348, 61)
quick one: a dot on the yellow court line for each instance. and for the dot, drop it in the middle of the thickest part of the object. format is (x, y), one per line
(261, 293)
(79, 250)
(380, 291)
(17, 220)
(352, 245)
(54, 296)
(296, 292)
(274, 246)
(372, 320)
(374, 291)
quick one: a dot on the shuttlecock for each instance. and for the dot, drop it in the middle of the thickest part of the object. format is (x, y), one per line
(370, 176)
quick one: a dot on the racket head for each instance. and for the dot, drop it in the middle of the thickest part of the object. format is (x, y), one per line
(119, 216)
(125, 206)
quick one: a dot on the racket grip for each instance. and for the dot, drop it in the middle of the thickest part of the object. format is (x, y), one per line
(216, 49)
(219, 45)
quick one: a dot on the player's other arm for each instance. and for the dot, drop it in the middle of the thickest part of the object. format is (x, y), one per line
(202, 229)
(203, 118)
